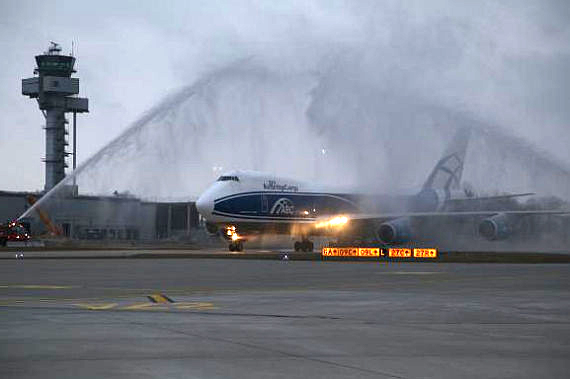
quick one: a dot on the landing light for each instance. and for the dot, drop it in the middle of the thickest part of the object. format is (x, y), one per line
(231, 232)
(334, 222)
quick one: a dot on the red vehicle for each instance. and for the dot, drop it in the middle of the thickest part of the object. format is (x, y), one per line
(12, 231)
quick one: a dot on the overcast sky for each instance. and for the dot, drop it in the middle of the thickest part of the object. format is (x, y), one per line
(504, 62)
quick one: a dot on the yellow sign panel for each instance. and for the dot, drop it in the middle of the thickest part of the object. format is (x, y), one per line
(369, 252)
(351, 252)
(425, 253)
(399, 253)
(340, 252)
(375, 252)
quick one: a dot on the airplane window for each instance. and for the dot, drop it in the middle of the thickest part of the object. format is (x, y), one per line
(225, 178)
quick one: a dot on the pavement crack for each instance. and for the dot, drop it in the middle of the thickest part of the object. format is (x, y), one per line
(271, 315)
(277, 351)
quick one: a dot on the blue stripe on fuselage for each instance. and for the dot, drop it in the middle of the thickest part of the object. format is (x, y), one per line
(269, 217)
(283, 205)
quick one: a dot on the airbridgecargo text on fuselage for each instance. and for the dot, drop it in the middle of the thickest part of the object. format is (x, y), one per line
(274, 186)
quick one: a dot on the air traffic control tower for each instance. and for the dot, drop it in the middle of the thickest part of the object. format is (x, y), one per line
(56, 92)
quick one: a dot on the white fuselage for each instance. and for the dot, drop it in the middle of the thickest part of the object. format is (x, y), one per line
(256, 197)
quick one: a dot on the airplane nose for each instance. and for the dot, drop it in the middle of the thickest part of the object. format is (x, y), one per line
(204, 206)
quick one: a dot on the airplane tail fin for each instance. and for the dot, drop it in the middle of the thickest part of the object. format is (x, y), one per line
(446, 175)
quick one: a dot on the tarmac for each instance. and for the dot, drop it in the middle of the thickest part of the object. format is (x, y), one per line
(201, 252)
(260, 318)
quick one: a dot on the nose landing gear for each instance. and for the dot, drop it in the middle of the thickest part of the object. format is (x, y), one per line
(236, 243)
(236, 246)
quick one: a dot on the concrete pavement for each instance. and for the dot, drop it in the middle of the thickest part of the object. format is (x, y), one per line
(268, 318)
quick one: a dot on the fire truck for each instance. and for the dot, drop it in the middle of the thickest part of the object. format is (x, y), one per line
(13, 231)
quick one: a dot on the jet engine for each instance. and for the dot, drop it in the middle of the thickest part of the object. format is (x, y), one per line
(395, 231)
(497, 227)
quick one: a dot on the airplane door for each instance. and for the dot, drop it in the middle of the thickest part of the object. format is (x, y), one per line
(264, 204)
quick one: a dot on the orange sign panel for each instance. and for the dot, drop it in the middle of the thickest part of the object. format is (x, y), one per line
(351, 252)
(425, 253)
(369, 252)
(399, 253)
(339, 252)
(375, 252)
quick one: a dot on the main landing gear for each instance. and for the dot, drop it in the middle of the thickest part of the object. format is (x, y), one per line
(304, 245)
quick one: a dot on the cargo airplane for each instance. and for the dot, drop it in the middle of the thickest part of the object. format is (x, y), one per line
(245, 204)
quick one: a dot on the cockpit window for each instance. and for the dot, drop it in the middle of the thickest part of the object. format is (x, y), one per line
(225, 178)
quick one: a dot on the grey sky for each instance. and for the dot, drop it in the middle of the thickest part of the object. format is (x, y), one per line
(505, 63)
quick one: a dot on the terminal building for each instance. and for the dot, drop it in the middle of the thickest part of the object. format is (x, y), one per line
(104, 218)
(73, 215)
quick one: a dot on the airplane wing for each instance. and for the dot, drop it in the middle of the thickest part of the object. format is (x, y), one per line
(340, 219)
(496, 197)
(474, 213)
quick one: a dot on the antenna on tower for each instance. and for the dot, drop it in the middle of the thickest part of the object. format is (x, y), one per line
(53, 49)
(71, 47)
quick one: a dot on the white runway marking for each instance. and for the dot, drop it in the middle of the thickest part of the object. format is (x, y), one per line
(414, 272)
